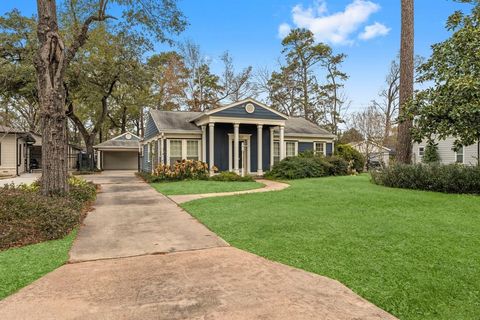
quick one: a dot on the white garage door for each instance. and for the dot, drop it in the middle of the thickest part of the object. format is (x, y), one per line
(120, 160)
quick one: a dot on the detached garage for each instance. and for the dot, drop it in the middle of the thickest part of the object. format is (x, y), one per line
(119, 153)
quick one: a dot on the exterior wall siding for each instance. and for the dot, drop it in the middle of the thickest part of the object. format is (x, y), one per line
(151, 129)
(146, 165)
(446, 153)
(8, 160)
(239, 112)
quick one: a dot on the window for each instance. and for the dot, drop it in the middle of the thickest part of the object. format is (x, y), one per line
(459, 155)
(319, 148)
(152, 153)
(421, 152)
(192, 149)
(175, 151)
(290, 149)
(276, 152)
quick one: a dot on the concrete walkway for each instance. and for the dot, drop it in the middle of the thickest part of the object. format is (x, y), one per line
(145, 258)
(269, 186)
(26, 178)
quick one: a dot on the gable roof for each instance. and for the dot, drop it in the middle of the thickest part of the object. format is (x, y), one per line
(237, 103)
(300, 126)
(121, 142)
(174, 120)
(5, 129)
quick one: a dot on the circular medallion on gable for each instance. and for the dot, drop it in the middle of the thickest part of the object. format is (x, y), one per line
(128, 136)
(249, 107)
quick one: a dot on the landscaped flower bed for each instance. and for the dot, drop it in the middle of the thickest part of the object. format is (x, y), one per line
(26, 216)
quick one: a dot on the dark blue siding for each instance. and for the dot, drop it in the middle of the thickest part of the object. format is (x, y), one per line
(239, 112)
(305, 146)
(221, 145)
(329, 150)
(146, 166)
(151, 129)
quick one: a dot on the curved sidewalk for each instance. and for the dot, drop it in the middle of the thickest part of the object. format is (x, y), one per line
(269, 186)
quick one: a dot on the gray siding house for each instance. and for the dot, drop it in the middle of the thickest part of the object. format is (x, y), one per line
(467, 155)
(246, 137)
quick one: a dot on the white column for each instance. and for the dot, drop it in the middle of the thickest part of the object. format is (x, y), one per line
(99, 160)
(211, 128)
(162, 156)
(259, 150)
(282, 142)
(204, 143)
(272, 133)
(236, 140)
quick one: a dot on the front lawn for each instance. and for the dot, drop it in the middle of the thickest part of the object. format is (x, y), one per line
(413, 253)
(21, 266)
(203, 186)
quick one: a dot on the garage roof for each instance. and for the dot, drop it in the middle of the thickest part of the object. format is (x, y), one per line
(126, 141)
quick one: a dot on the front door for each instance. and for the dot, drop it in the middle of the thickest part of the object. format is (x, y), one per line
(242, 155)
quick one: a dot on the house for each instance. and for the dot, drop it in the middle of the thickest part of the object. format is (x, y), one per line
(119, 153)
(21, 152)
(373, 152)
(246, 137)
(466, 155)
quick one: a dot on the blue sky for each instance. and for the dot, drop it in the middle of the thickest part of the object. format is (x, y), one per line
(368, 31)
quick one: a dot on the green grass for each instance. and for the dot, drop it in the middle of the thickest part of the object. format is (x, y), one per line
(415, 254)
(203, 186)
(21, 266)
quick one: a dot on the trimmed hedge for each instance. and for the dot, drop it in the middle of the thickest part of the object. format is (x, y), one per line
(26, 216)
(434, 177)
(308, 166)
(231, 176)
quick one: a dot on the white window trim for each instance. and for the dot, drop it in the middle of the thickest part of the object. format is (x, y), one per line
(324, 147)
(272, 155)
(463, 156)
(419, 155)
(184, 148)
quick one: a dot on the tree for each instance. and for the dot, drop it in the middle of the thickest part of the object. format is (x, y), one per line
(335, 102)
(105, 62)
(451, 107)
(169, 80)
(302, 55)
(233, 86)
(431, 153)
(54, 56)
(283, 91)
(18, 92)
(404, 139)
(350, 135)
(369, 123)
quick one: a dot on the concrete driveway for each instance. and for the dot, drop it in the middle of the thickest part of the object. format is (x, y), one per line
(143, 257)
(132, 219)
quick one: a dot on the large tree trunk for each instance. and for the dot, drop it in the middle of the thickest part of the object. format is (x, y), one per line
(50, 65)
(404, 139)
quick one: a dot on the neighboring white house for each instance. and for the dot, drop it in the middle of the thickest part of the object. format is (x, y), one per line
(467, 155)
(373, 152)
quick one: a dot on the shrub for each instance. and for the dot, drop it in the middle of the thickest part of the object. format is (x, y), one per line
(26, 216)
(435, 177)
(181, 170)
(300, 167)
(351, 155)
(230, 176)
(340, 167)
(431, 153)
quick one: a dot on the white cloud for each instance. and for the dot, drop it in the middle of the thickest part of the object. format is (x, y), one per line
(374, 30)
(335, 28)
(283, 30)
